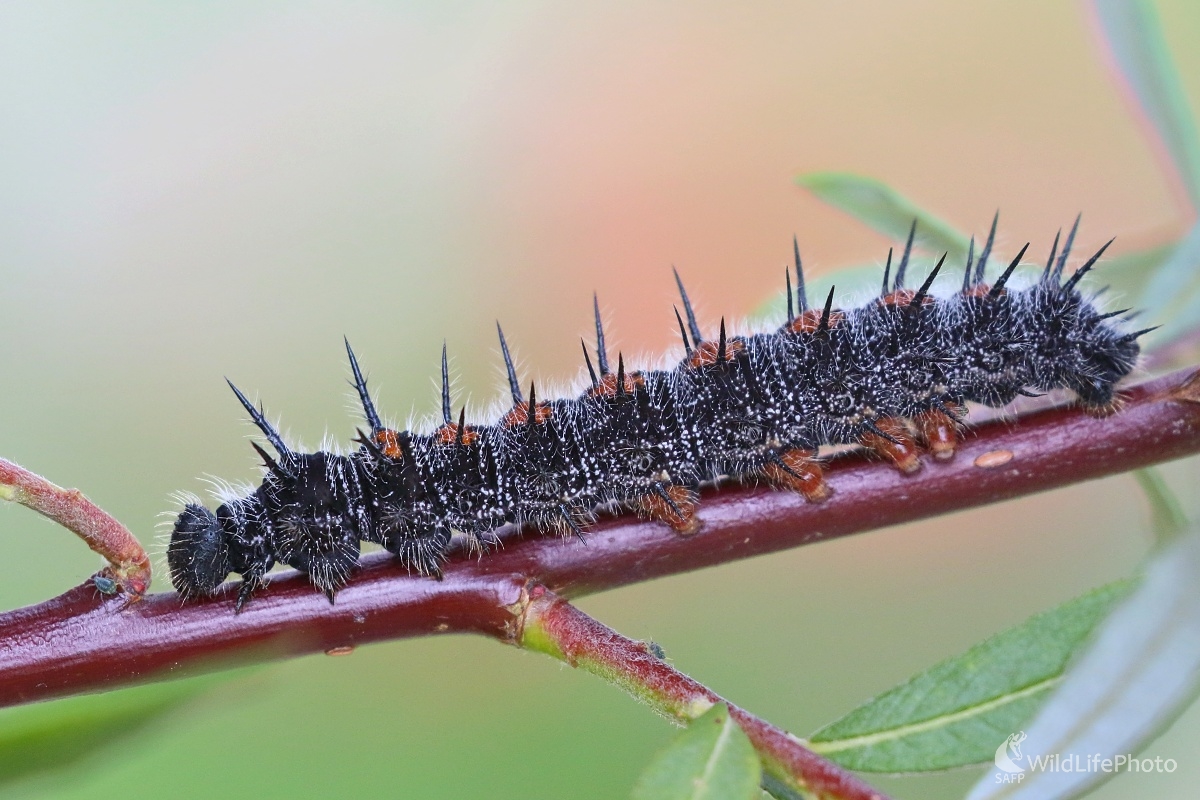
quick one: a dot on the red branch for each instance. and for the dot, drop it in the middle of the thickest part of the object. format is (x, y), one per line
(554, 626)
(82, 642)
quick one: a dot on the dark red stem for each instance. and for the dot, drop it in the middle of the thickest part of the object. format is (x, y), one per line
(81, 642)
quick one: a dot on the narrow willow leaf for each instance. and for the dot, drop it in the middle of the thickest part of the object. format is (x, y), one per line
(886, 210)
(1185, 321)
(1135, 42)
(55, 735)
(1138, 675)
(1173, 292)
(1139, 52)
(956, 712)
(1127, 276)
(1166, 514)
(711, 760)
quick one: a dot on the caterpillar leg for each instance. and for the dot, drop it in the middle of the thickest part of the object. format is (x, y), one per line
(1104, 410)
(421, 550)
(800, 471)
(939, 432)
(250, 584)
(673, 504)
(890, 439)
(566, 520)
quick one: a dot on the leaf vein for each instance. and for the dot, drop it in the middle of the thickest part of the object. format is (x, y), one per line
(933, 723)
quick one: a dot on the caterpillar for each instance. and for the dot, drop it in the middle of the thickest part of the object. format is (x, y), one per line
(894, 376)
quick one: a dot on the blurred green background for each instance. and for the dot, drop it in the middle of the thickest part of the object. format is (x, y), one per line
(192, 191)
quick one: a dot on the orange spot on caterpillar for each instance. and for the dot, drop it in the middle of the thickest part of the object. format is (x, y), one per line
(608, 384)
(519, 415)
(705, 354)
(448, 434)
(801, 472)
(389, 444)
(902, 452)
(993, 459)
(810, 321)
(902, 297)
(980, 290)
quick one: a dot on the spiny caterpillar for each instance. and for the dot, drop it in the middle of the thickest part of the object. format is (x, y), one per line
(892, 376)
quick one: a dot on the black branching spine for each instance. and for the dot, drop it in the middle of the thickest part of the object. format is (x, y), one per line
(893, 375)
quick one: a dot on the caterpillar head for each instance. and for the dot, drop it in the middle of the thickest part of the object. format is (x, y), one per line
(198, 555)
(206, 546)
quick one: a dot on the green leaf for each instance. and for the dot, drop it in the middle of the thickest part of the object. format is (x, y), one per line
(1129, 274)
(1139, 673)
(773, 787)
(1173, 291)
(956, 712)
(1184, 321)
(54, 735)
(1136, 45)
(1166, 514)
(711, 760)
(887, 211)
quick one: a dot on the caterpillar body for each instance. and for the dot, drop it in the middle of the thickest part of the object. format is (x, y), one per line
(893, 375)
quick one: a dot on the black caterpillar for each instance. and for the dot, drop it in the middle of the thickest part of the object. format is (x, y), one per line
(889, 375)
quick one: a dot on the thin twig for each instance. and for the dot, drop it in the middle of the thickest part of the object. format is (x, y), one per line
(553, 626)
(81, 643)
(129, 566)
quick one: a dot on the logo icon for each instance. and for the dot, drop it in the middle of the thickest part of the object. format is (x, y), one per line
(1012, 744)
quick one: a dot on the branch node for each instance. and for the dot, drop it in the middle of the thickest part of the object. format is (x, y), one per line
(555, 627)
(1189, 390)
(128, 569)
